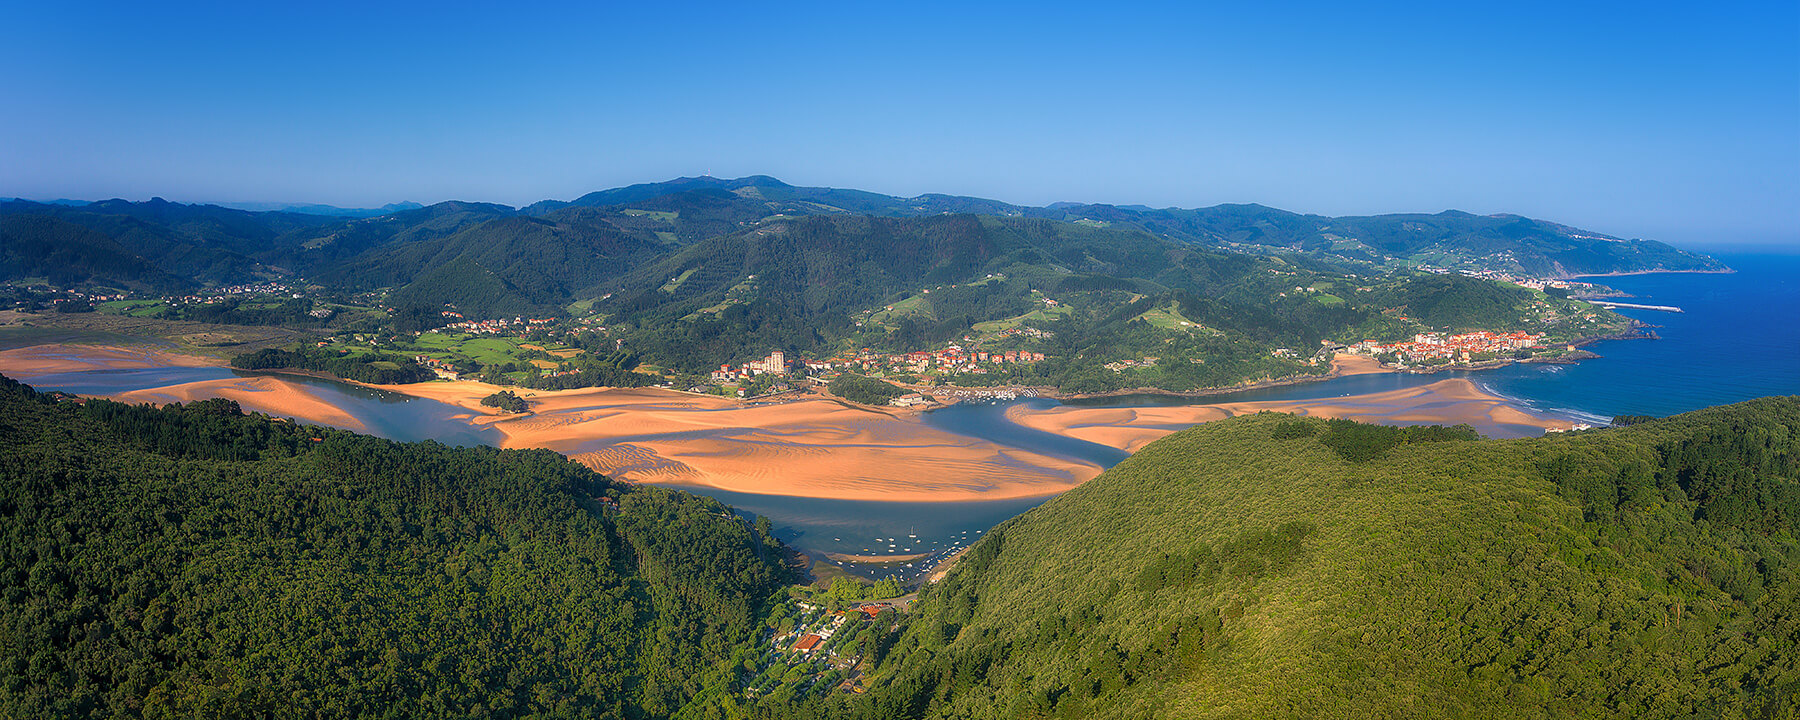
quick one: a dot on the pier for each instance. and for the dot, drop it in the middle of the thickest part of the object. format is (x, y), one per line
(1635, 306)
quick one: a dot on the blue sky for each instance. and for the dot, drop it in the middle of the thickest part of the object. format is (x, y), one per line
(1678, 122)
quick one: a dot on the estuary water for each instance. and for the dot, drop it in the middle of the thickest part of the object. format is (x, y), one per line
(1739, 338)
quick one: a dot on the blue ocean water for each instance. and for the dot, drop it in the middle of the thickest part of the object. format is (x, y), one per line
(1737, 339)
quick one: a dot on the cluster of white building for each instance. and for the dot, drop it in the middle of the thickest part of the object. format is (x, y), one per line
(776, 362)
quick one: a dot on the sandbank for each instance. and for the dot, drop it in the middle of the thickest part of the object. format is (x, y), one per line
(38, 360)
(271, 395)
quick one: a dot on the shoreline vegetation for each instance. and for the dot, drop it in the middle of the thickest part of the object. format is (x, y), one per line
(814, 446)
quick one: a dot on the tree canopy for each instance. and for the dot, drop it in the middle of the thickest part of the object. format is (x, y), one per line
(194, 561)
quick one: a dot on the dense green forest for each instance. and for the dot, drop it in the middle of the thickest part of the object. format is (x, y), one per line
(293, 312)
(374, 368)
(193, 561)
(1267, 566)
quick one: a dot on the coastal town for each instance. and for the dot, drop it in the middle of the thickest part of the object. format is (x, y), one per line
(1438, 349)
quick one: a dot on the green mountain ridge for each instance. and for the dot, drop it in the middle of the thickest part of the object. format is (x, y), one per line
(207, 244)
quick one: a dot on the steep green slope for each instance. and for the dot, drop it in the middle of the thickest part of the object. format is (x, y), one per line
(1456, 301)
(195, 562)
(67, 254)
(506, 265)
(197, 243)
(210, 244)
(1245, 568)
(205, 244)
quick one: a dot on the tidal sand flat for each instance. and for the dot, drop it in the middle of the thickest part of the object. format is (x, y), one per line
(1446, 402)
(37, 360)
(815, 448)
(269, 395)
(811, 448)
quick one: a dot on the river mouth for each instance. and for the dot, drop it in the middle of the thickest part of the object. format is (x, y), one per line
(872, 537)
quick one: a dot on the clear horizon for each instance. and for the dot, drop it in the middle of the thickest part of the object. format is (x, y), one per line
(1678, 124)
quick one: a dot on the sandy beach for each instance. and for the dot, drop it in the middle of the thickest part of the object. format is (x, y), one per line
(811, 447)
(1345, 365)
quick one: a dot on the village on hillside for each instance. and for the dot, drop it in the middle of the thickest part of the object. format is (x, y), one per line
(822, 643)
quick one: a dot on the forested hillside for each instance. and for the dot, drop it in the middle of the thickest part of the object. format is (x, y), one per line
(198, 244)
(1267, 566)
(67, 254)
(192, 561)
(503, 266)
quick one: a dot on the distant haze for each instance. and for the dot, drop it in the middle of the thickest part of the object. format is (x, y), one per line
(1678, 123)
